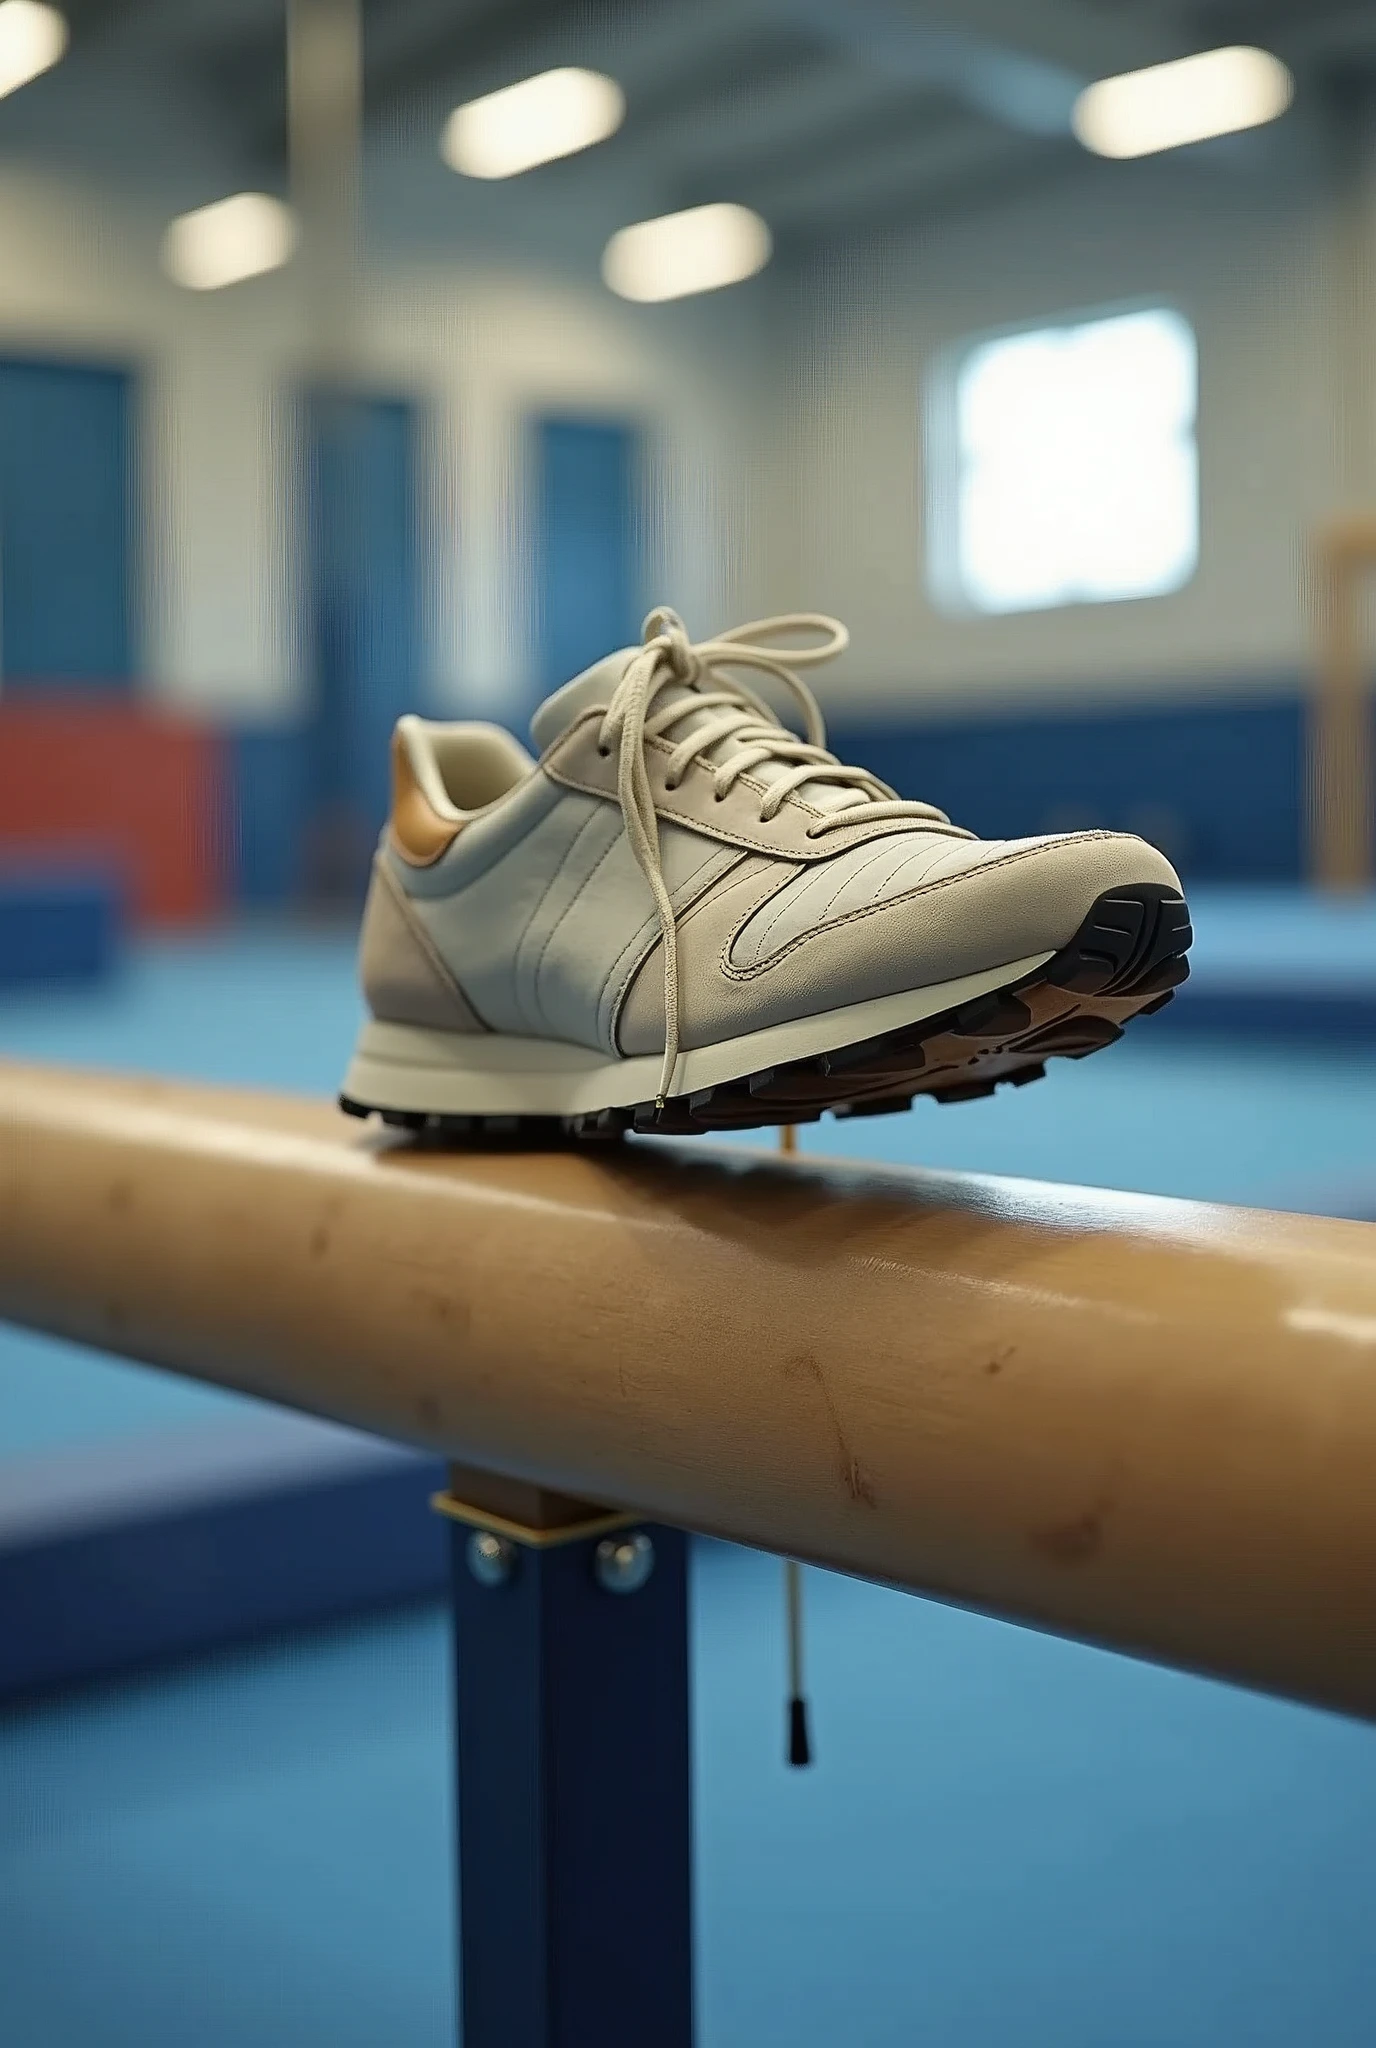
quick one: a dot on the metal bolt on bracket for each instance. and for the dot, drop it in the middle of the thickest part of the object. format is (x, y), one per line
(623, 1563)
(491, 1558)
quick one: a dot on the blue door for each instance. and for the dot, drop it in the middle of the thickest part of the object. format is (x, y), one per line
(588, 572)
(66, 525)
(364, 619)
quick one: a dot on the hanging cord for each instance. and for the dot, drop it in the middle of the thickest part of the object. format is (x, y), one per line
(799, 1743)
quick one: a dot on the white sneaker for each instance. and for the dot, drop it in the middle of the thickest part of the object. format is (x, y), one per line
(813, 941)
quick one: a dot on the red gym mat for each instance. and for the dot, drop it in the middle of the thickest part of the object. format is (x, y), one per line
(124, 785)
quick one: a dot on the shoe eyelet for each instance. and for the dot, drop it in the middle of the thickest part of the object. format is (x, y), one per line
(717, 797)
(605, 752)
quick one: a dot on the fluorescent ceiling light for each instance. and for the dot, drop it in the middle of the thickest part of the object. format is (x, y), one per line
(1217, 92)
(32, 38)
(681, 253)
(233, 239)
(551, 115)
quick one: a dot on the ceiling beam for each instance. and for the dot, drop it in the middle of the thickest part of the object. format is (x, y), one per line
(800, 117)
(897, 169)
(1088, 41)
(814, 156)
(949, 194)
(1019, 89)
(760, 82)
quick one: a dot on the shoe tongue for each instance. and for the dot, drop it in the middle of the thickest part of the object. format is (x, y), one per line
(595, 686)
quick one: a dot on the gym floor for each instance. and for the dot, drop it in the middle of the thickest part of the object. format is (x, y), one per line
(1006, 1840)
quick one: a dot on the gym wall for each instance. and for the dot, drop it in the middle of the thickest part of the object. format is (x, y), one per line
(778, 462)
(1178, 715)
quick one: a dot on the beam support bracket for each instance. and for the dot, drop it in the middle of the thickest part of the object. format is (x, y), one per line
(528, 1537)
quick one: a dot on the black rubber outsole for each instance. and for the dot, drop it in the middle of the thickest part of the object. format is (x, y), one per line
(1126, 960)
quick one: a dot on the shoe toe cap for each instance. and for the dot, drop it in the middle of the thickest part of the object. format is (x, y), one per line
(1046, 887)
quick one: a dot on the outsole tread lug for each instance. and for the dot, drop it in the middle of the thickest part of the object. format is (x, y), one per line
(1167, 974)
(964, 1091)
(881, 1105)
(999, 1015)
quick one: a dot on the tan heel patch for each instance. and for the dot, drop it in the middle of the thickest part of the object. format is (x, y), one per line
(416, 829)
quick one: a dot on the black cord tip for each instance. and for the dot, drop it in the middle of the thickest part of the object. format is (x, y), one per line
(799, 1747)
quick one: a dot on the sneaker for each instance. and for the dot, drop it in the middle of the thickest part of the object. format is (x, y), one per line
(683, 918)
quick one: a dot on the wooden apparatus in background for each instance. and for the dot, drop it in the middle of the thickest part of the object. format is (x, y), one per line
(1147, 1423)
(1341, 823)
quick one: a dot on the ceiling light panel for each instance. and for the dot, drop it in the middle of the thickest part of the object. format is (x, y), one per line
(222, 244)
(1217, 92)
(32, 39)
(555, 114)
(681, 253)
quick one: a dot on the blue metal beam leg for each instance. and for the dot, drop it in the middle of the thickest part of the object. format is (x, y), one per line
(573, 1790)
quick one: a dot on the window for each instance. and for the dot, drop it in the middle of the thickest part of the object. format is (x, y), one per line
(362, 581)
(1062, 466)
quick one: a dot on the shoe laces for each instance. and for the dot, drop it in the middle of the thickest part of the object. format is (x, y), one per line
(743, 729)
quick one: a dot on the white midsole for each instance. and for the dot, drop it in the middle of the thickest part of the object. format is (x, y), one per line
(489, 1073)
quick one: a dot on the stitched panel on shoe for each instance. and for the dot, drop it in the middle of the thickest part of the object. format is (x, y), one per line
(597, 923)
(857, 879)
(716, 872)
(476, 928)
(582, 864)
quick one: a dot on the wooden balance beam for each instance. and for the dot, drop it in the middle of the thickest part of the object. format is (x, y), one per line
(1150, 1424)
(1147, 1423)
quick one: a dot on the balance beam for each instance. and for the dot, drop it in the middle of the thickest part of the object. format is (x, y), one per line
(1145, 1423)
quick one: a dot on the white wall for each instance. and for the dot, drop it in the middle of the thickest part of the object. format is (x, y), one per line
(1256, 272)
(480, 347)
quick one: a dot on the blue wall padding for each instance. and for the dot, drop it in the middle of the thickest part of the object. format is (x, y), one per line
(587, 562)
(363, 612)
(270, 796)
(110, 1593)
(1302, 1016)
(1219, 787)
(58, 924)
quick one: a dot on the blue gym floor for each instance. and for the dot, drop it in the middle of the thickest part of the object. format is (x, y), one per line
(1007, 1839)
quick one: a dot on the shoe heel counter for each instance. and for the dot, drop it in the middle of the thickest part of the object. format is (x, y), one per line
(403, 978)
